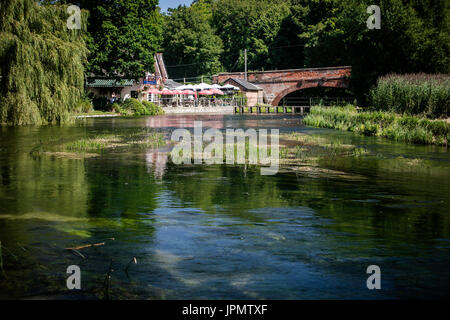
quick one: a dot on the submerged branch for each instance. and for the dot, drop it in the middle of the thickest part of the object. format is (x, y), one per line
(89, 245)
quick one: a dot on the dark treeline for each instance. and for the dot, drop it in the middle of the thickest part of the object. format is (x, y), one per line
(210, 35)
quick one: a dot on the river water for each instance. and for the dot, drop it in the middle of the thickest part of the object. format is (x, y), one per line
(222, 232)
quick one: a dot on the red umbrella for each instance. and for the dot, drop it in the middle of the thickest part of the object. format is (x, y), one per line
(189, 92)
(217, 91)
(167, 92)
(206, 93)
(154, 91)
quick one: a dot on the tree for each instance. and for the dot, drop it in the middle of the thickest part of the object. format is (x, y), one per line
(42, 63)
(251, 25)
(123, 36)
(191, 47)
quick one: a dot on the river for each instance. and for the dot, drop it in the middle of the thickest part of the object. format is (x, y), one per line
(222, 231)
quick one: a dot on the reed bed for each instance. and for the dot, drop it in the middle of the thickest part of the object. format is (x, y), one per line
(420, 94)
(410, 129)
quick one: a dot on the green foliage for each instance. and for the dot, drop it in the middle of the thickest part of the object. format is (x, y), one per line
(380, 123)
(414, 37)
(123, 36)
(86, 145)
(253, 25)
(133, 107)
(336, 34)
(42, 64)
(121, 138)
(85, 105)
(190, 45)
(414, 94)
(153, 109)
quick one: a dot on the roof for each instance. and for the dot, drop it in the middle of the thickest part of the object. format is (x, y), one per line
(170, 84)
(245, 84)
(109, 83)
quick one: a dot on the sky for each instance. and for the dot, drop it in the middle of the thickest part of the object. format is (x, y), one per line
(165, 4)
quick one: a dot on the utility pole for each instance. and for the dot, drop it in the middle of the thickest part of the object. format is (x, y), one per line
(245, 54)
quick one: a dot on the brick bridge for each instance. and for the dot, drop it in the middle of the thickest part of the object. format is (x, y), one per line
(279, 83)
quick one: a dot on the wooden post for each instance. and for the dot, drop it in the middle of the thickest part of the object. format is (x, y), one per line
(245, 65)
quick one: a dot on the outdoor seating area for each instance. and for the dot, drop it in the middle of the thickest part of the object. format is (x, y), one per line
(198, 95)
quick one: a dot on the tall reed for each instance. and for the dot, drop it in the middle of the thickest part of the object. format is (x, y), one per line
(413, 94)
(411, 129)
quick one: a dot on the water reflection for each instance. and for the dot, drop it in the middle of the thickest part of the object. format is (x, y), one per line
(224, 231)
(156, 162)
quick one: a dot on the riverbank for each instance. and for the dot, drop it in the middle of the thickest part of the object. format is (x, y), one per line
(97, 114)
(409, 129)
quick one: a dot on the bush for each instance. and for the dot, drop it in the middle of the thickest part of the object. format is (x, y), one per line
(413, 94)
(153, 109)
(133, 107)
(85, 105)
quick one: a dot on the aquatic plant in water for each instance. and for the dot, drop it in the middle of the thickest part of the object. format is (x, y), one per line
(397, 127)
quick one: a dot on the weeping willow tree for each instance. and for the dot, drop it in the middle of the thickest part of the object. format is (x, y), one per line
(42, 63)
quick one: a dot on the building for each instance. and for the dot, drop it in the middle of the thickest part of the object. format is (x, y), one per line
(253, 93)
(103, 87)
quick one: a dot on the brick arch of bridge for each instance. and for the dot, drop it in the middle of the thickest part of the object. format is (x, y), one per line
(301, 86)
(294, 88)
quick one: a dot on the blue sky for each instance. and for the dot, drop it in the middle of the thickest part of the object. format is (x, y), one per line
(165, 4)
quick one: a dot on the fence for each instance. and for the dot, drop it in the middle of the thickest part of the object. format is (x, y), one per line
(177, 101)
(312, 101)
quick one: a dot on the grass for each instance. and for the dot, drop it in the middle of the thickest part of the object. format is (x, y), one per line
(405, 128)
(140, 138)
(95, 145)
(295, 149)
(121, 140)
(305, 149)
